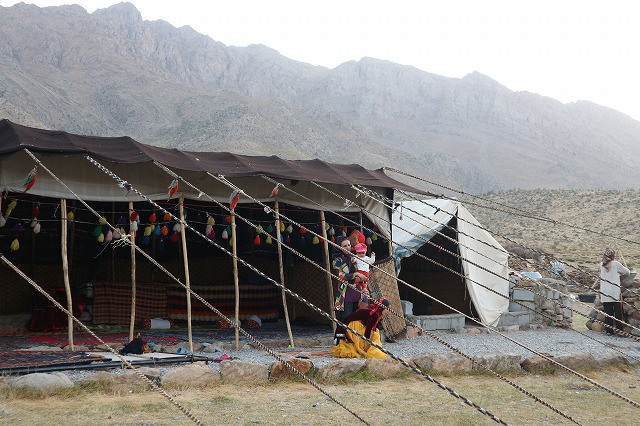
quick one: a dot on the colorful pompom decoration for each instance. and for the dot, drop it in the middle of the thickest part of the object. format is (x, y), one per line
(315, 240)
(167, 217)
(164, 230)
(15, 245)
(211, 220)
(269, 240)
(152, 217)
(36, 228)
(35, 212)
(256, 240)
(71, 216)
(133, 216)
(10, 207)
(174, 237)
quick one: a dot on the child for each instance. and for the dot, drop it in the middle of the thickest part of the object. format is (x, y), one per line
(362, 261)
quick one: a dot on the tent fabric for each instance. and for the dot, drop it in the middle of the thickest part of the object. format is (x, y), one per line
(64, 154)
(415, 222)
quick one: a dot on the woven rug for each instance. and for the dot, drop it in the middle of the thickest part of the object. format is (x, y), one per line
(87, 339)
(22, 359)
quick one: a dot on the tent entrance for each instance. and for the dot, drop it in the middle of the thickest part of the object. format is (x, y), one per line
(432, 276)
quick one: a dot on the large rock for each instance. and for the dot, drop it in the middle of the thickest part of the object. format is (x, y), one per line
(197, 375)
(497, 362)
(340, 368)
(385, 367)
(538, 365)
(243, 372)
(280, 371)
(449, 362)
(42, 381)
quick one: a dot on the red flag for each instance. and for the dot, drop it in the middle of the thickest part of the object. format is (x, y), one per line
(31, 179)
(233, 200)
(173, 188)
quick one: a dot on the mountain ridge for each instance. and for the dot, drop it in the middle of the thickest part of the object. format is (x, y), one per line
(111, 73)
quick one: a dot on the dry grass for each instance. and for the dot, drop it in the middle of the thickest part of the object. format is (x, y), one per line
(400, 401)
(610, 212)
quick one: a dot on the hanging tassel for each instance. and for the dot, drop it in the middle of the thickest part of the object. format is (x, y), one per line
(269, 240)
(15, 245)
(152, 217)
(256, 240)
(109, 236)
(36, 228)
(225, 234)
(30, 179)
(274, 191)
(167, 217)
(211, 220)
(164, 230)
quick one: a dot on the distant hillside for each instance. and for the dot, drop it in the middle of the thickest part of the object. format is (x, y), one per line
(111, 73)
(577, 225)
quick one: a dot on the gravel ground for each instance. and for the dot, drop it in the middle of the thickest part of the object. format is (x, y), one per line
(550, 341)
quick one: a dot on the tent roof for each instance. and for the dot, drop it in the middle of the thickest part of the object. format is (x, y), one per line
(125, 150)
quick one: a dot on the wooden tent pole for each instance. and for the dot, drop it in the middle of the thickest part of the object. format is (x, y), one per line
(187, 282)
(327, 267)
(284, 293)
(65, 270)
(235, 274)
(132, 236)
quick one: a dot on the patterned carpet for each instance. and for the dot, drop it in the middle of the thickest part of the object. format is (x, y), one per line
(270, 332)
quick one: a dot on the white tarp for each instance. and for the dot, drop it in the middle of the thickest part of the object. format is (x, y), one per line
(415, 222)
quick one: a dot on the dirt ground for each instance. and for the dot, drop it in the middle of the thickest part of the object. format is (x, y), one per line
(400, 401)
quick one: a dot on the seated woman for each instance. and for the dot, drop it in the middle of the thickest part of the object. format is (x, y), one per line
(365, 322)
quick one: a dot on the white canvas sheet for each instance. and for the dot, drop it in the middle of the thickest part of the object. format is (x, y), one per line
(416, 222)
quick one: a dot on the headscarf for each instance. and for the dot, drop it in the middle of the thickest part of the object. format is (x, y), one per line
(607, 257)
(338, 251)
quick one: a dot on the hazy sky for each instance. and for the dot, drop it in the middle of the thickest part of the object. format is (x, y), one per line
(566, 49)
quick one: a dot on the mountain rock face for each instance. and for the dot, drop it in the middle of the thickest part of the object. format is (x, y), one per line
(110, 73)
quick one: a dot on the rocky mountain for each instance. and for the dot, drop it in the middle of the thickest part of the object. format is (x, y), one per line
(111, 73)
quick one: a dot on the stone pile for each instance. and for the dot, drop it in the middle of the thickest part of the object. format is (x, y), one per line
(545, 300)
(631, 307)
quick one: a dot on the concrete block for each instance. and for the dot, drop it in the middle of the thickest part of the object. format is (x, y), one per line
(522, 294)
(521, 306)
(407, 307)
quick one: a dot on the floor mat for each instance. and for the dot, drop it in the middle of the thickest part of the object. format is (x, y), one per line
(15, 359)
(87, 339)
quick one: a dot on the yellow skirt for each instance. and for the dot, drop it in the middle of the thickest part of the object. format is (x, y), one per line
(355, 347)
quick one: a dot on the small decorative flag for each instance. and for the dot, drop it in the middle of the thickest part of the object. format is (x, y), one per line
(233, 200)
(30, 179)
(173, 188)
